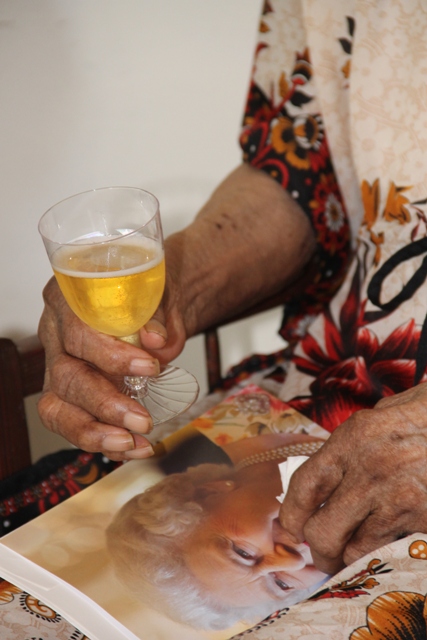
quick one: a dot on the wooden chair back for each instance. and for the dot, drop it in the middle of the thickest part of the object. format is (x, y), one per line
(21, 375)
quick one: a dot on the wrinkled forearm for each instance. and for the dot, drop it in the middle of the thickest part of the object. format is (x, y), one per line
(250, 241)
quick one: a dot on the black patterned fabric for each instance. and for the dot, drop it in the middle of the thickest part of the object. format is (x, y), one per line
(55, 477)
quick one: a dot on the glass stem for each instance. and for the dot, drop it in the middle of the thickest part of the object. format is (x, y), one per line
(136, 386)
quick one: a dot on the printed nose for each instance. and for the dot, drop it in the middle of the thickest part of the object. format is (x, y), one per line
(287, 558)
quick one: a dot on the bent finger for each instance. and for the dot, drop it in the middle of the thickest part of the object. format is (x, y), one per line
(380, 529)
(85, 432)
(154, 334)
(77, 383)
(310, 487)
(329, 529)
(164, 338)
(112, 355)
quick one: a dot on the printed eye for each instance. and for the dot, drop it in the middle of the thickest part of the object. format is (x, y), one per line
(281, 584)
(247, 556)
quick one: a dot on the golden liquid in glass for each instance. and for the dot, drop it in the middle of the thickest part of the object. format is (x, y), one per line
(113, 287)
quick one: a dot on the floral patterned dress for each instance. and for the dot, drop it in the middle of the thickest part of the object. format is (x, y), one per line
(337, 113)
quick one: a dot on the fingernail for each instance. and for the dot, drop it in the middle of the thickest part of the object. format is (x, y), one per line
(137, 422)
(142, 452)
(144, 367)
(118, 442)
(154, 326)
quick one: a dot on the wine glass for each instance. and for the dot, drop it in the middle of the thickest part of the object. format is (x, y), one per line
(106, 250)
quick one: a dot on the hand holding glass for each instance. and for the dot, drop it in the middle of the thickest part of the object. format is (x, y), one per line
(106, 250)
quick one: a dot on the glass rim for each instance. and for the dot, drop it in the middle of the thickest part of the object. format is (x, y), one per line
(97, 190)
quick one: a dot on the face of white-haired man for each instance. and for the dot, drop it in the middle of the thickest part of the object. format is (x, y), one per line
(205, 547)
(238, 550)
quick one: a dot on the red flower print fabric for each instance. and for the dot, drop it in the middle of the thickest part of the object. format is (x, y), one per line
(281, 137)
(358, 333)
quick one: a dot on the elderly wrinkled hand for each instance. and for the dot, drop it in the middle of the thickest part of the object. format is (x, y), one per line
(82, 399)
(371, 479)
(85, 369)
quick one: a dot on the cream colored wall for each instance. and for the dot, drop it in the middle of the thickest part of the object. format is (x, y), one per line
(117, 92)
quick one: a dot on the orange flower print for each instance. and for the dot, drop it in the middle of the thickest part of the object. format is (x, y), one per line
(202, 423)
(396, 615)
(283, 142)
(284, 86)
(296, 138)
(345, 69)
(396, 205)
(371, 203)
(38, 608)
(7, 591)
(370, 198)
(222, 439)
(418, 550)
(378, 240)
(395, 209)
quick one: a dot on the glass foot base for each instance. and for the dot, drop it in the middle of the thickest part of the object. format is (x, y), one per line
(169, 394)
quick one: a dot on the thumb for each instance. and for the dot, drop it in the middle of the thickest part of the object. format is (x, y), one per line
(310, 487)
(164, 335)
